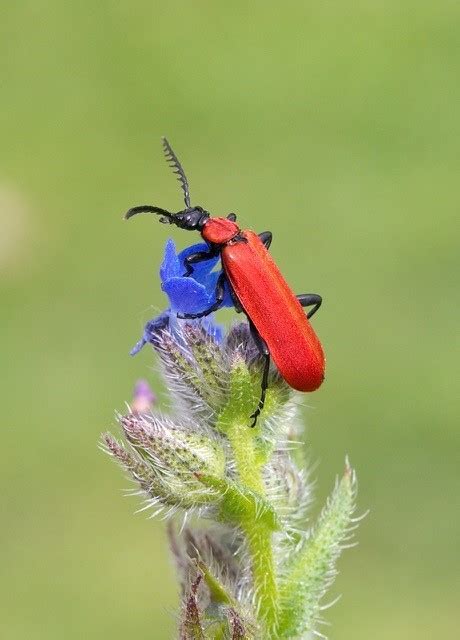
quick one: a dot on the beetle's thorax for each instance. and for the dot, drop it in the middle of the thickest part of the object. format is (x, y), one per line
(219, 230)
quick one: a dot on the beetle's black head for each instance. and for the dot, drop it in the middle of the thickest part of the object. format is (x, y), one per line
(193, 218)
(190, 218)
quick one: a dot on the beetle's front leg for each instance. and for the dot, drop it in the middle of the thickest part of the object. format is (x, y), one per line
(199, 256)
(309, 299)
(263, 349)
(220, 293)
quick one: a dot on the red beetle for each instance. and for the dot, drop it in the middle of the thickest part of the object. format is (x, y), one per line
(278, 324)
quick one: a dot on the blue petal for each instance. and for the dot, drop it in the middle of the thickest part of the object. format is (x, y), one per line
(186, 295)
(138, 346)
(194, 293)
(167, 318)
(171, 266)
(151, 329)
(216, 331)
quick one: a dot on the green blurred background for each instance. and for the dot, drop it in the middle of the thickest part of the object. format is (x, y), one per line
(336, 125)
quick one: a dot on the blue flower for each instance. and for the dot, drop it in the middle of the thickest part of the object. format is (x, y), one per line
(191, 294)
(194, 293)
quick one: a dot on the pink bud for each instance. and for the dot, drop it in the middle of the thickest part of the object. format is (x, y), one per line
(143, 397)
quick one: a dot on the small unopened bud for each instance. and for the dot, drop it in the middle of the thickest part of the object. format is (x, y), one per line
(143, 397)
(191, 626)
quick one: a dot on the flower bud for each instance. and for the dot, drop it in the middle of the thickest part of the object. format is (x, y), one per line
(143, 397)
(176, 454)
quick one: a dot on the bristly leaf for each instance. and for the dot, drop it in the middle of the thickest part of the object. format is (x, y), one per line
(312, 569)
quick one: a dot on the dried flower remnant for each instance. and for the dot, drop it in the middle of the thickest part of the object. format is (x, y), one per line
(249, 566)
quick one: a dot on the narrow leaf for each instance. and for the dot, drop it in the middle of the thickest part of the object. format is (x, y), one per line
(312, 570)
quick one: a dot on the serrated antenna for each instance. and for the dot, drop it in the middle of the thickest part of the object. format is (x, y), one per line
(176, 166)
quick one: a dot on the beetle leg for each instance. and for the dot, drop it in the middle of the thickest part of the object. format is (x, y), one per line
(266, 237)
(232, 217)
(220, 292)
(194, 258)
(308, 299)
(262, 346)
(236, 302)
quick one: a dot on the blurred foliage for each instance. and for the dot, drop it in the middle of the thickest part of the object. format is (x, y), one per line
(334, 125)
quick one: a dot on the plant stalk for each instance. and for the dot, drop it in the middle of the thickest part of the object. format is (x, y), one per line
(259, 536)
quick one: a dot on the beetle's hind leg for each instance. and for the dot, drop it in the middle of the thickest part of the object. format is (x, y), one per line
(234, 297)
(266, 237)
(308, 300)
(263, 349)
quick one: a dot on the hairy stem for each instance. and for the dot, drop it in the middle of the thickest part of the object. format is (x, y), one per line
(259, 536)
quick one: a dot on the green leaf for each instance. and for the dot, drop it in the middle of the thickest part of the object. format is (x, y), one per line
(312, 570)
(217, 591)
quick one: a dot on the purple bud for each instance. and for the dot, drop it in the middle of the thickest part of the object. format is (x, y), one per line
(143, 397)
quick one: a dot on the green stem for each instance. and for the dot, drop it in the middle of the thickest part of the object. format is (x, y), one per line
(259, 536)
(263, 573)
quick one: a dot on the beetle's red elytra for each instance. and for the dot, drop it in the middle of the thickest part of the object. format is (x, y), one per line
(275, 311)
